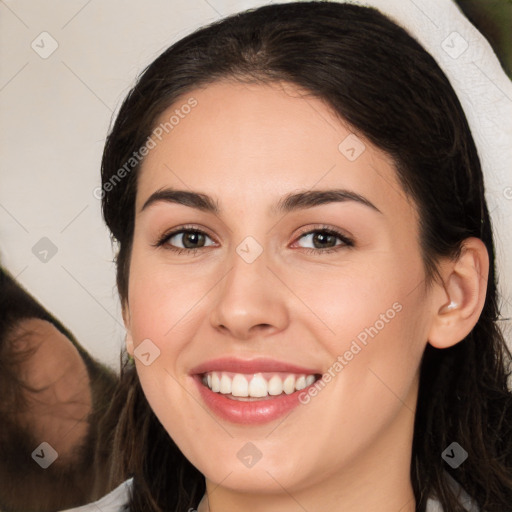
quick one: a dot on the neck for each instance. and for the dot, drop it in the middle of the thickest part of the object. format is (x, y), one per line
(379, 479)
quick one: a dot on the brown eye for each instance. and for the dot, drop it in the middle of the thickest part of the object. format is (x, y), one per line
(325, 240)
(190, 240)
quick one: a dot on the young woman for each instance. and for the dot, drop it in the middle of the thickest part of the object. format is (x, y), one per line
(306, 268)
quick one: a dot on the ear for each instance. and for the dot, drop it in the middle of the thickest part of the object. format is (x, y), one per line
(461, 297)
(127, 325)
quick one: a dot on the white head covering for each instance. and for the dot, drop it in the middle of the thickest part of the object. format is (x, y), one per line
(485, 92)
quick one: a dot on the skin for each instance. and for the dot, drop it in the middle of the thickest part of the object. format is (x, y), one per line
(349, 448)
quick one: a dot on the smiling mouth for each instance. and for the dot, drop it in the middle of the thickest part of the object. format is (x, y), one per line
(256, 386)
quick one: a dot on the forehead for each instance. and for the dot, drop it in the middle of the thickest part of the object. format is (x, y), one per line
(253, 143)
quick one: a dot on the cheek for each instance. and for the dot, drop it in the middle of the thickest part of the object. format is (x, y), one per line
(166, 306)
(380, 335)
(380, 297)
(378, 326)
(163, 299)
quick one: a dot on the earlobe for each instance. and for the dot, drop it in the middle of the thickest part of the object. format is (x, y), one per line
(129, 343)
(129, 339)
(458, 308)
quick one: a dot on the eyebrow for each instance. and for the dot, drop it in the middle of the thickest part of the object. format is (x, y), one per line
(290, 202)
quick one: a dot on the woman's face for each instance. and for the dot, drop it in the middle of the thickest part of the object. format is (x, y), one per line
(261, 285)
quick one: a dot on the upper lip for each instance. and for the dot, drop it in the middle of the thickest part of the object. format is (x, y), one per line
(249, 366)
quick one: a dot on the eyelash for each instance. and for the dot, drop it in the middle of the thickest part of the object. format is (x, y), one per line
(346, 242)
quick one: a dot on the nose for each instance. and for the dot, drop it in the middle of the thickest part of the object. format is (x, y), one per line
(250, 300)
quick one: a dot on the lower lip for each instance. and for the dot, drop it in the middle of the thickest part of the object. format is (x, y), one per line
(249, 413)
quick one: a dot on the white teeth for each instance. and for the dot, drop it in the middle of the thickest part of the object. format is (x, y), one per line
(225, 384)
(257, 386)
(215, 383)
(275, 385)
(239, 386)
(289, 384)
(300, 383)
